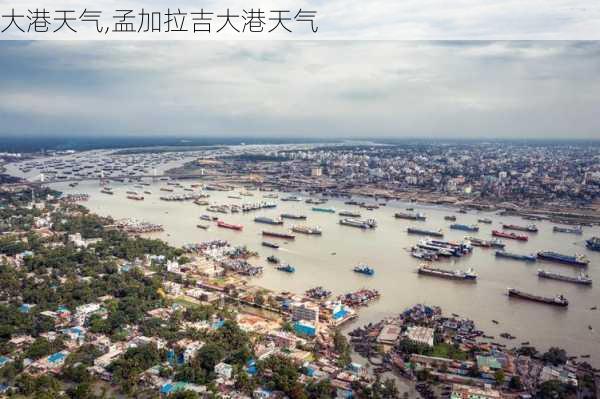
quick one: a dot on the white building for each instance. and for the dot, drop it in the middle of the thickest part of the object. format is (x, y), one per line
(420, 335)
(224, 370)
(305, 311)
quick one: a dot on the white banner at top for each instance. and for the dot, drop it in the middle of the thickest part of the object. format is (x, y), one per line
(300, 20)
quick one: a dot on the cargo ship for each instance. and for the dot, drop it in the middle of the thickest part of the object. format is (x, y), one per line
(270, 245)
(293, 216)
(238, 227)
(135, 197)
(292, 198)
(558, 300)
(362, 224)
(576, 230)
(582, 278)
(577, 260)
(450, 218)
(278, 235)
(410, 216)
(349, 214)
(307, 230)
(166, 189)
(478, 242)
(286, 268)
(485, 220)
(464, 227)
(106, 191)
(423, 232)
(326, 210)
(593, 243)
(266, 220)
(364, 269)
(512, 236)
(449, 274)
(532, 228)
(511, 255)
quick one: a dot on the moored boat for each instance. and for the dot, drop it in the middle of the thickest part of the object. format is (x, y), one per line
(593, 243)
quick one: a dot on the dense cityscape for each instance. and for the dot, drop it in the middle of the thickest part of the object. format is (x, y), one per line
(94, 306)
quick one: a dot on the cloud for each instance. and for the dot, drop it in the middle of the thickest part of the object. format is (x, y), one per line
(309, 89)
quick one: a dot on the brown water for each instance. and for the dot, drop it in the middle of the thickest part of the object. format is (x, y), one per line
(327, 260)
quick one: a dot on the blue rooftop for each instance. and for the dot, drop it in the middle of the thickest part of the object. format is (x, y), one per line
(56, 357)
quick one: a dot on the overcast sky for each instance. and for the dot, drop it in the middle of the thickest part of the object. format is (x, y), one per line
(310, 89)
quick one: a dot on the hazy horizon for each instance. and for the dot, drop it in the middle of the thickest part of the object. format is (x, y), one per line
(310, 90)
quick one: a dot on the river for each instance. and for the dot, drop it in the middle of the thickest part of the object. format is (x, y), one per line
(328, 260)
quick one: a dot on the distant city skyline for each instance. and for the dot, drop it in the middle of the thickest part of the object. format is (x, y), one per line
(312, 90)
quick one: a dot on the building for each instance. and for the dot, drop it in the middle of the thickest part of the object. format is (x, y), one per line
(305, 311)
(469, 392)
(316, 171)
(389, 334)
(224, 370)
(305, 328)
(420, 335)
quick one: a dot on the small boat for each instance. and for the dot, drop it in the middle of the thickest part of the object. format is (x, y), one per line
(495, 322)
(270, 245)
(450, 218)
(485, 220)
(286, 268)
(272, 259)
(202, 226)
(364, 269)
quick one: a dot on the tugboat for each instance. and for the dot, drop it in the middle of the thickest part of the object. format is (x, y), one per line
(364, 269)
(272, 259)
(286, 268)
(558, 300)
